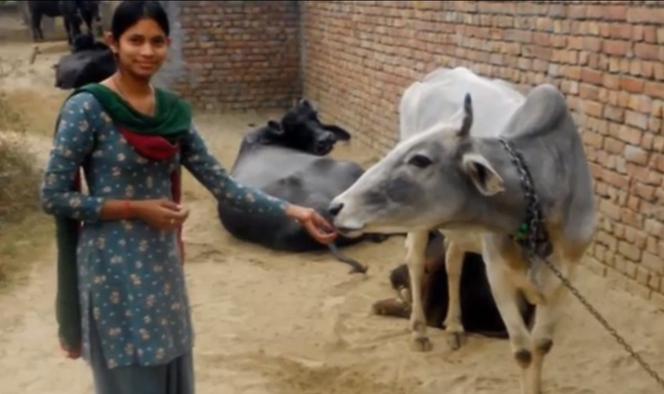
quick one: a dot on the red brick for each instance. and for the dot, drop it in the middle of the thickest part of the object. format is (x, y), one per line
(614, 12)
(640, 103)
(657, 69)
(648, 15)
(591, 76)
(573, 73)
(655, 125)
(592, 108)
(620, 31)
(575, 42)
(609, 209)
(614, 113)
(592, 138)
(644, 191)
(632, 85)
(629, 135)
(646, 51)
(655, 228)
(576, 11)
(658, 160)
(654, 89)
(610, 81)
(615, 179)
(636, 119)
(653, 262)
(628, 250)
(612, 145)
(650, 34)
(635, 155)
(658, 144)
(615, 47)
(593, 44)
(648, 68)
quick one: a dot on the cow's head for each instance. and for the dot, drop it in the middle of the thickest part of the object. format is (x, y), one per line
(301, 129)
(424, 182)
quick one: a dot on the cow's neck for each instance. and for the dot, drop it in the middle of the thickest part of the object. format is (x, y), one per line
(504, 212)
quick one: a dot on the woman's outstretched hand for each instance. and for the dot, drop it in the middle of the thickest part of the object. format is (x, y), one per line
(319, 228)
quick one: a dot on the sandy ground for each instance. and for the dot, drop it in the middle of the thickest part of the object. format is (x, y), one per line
(269, 322)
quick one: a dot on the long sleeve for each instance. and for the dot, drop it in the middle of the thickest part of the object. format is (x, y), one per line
(207, 170)
(74, 140)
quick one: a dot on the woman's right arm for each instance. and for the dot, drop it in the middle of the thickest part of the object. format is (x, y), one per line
(74, 141)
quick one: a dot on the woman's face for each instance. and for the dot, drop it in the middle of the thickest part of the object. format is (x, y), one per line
(142, 48)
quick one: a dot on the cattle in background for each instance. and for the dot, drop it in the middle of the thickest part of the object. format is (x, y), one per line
(479, 313)
(72, 11)
(91, 61)
(528, 189)
(288, 159)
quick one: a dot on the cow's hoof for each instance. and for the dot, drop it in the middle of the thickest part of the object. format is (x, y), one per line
(359, 269)
(377, 238)
(456, 339)
(391, 307)
(523, 358)
(422, 344)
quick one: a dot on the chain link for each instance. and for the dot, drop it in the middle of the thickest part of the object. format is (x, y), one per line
(537, 247)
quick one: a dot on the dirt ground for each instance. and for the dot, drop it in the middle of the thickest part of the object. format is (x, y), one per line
(269, 322)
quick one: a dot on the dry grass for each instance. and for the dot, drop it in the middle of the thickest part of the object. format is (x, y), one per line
(19, 188)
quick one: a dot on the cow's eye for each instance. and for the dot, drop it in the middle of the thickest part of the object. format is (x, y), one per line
(419, 161)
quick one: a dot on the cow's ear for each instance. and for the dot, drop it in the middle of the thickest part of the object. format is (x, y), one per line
(274, 128)
(485, 178)
(465, 116)
(304, 103)
(341, 134)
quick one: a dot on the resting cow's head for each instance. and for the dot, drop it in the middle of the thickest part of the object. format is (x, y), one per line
(301, 129)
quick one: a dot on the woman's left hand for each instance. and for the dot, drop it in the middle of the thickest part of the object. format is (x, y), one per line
(319, 228)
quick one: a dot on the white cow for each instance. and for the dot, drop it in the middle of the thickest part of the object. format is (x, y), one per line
(445, 176)
(438, 98)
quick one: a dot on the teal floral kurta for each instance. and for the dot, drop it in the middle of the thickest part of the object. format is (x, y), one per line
(131, 279)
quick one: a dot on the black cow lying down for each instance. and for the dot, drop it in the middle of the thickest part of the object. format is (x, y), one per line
(479, 313)
(91, 61)
(287, 159)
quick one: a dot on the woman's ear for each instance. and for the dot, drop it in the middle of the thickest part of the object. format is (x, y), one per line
(111, 42)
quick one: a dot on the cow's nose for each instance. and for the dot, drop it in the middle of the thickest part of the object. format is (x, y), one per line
(335, 208)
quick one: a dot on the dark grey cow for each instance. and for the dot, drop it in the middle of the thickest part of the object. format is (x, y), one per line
(91, 61)
(287, 159)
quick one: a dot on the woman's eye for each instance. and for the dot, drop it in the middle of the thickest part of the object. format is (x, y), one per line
(420, 161)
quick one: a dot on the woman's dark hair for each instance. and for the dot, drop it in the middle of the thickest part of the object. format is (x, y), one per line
(129, 12)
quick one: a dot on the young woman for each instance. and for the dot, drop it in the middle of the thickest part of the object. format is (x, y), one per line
(122, 300)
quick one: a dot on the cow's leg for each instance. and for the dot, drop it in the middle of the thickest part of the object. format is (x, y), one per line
(547, 316)
(416, 243)
(453, 264)
(37, 33)
(505, 293)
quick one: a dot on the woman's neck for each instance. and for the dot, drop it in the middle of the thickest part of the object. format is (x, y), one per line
(131, 86)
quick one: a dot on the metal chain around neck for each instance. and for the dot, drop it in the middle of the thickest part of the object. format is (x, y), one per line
(533, 238)
(532, 234)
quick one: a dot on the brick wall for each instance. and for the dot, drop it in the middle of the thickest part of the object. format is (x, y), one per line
(237, 54)
(608, 59)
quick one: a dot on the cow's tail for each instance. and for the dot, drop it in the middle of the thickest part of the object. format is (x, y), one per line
(357, 266)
